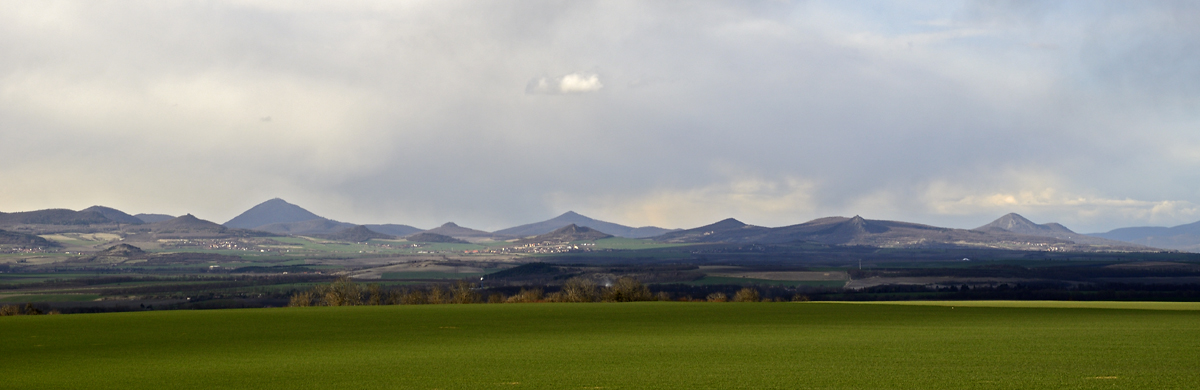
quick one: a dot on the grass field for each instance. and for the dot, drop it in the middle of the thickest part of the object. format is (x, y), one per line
(48, 298)
(434, 275)
(630, 244)
(610, 346)
(710, 280)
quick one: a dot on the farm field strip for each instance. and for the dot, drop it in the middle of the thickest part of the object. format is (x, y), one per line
(662, 345)
(1046, 304)
(731, 280)
(15, 298)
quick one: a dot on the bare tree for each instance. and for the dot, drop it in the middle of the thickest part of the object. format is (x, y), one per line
(463, 292)
(578, 289)
(627, 289)
(717, 297)
(301, 299)
(746, 294)
(343, 292)
(527, 296)
(437, 294)
(376, 295)
(558, 296)
(10, 310)
(414, 297)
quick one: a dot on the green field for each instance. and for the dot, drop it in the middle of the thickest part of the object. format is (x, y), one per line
(631, 244)
(434, 275)
(48, 298)
(711, 280)
(610, 346)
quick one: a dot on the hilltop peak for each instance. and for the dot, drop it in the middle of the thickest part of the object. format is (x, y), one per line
(1015, 223)
(568, 233)
(114, 215)
(187, 221)
(571, 228)
(357, 233)
(124, 250)
(434, 237)
(272, 211)
(727, 223)
(1014, 217)
(454, 230)
(1012, 222)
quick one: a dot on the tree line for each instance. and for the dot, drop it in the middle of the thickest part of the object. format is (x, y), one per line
(346, 292)
(15, 310)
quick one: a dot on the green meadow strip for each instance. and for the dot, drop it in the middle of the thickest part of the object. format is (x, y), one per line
(658, 345)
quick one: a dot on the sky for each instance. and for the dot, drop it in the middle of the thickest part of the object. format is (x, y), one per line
(666, 113)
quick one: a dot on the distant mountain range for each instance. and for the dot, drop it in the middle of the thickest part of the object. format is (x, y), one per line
(277, 216)
(1003, 233)
(1182, 237)
(280, 217)
(1014, 223)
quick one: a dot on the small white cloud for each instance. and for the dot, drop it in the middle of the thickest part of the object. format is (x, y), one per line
(578, 82)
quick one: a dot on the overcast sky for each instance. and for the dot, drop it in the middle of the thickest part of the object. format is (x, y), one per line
(674, 114)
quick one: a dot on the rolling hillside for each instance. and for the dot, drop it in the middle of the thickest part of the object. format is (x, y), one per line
(319, 226)
(434, 237)
(453, 230)
(394, 229)
(358, 233)
(53, 217)
(25, 240)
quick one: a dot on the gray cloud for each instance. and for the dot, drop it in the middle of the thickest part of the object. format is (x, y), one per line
(773, 112)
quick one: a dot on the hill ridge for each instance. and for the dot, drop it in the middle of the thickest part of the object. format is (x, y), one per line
(571, 217)
(1180, 237)
(569, 233)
